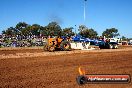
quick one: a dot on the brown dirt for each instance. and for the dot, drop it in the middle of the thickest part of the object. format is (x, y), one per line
(60, 69)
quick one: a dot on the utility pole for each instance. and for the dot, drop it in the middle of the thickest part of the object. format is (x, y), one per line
(84, 11)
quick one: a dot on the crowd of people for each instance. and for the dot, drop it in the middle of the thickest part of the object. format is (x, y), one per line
(21, 41)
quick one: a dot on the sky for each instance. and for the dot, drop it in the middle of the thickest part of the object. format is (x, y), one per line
(100, 14)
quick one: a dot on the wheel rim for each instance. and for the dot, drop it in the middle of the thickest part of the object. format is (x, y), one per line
(51, 49)
(66, 46)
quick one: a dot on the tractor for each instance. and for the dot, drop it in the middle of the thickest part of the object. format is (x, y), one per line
(57, 43)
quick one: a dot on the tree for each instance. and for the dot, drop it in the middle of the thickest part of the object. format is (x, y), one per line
(53, 29)
(87, 33)
(35, 29)
(110, 33)
(10, 31)
(25, 31)
(43, 31)
(92, 33)
(124, 38)
(21, 27)
(3, 32)
(68, 32)
(82, 28)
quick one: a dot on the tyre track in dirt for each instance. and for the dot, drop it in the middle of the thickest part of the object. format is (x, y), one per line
(4, 54)
(60, 71)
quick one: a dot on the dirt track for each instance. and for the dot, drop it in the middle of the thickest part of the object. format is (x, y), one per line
(60, 71)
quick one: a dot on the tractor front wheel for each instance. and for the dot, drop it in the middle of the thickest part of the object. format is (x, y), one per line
(45, 47)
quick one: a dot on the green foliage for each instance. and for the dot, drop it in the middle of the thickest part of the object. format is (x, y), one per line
(110, 33)
(53, 29)
(87, 33)
(22, 28)
(35, 29)
(68, 32)
(3, 32)
(124, 38)
(21, 25)
(10, 31)
(82, 28)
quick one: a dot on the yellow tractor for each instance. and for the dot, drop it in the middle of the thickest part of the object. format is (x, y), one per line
(57, 43)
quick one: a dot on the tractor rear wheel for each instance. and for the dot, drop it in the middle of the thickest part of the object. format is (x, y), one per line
(65, 45)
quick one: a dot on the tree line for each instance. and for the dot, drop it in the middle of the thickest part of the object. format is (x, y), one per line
(54, 29)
